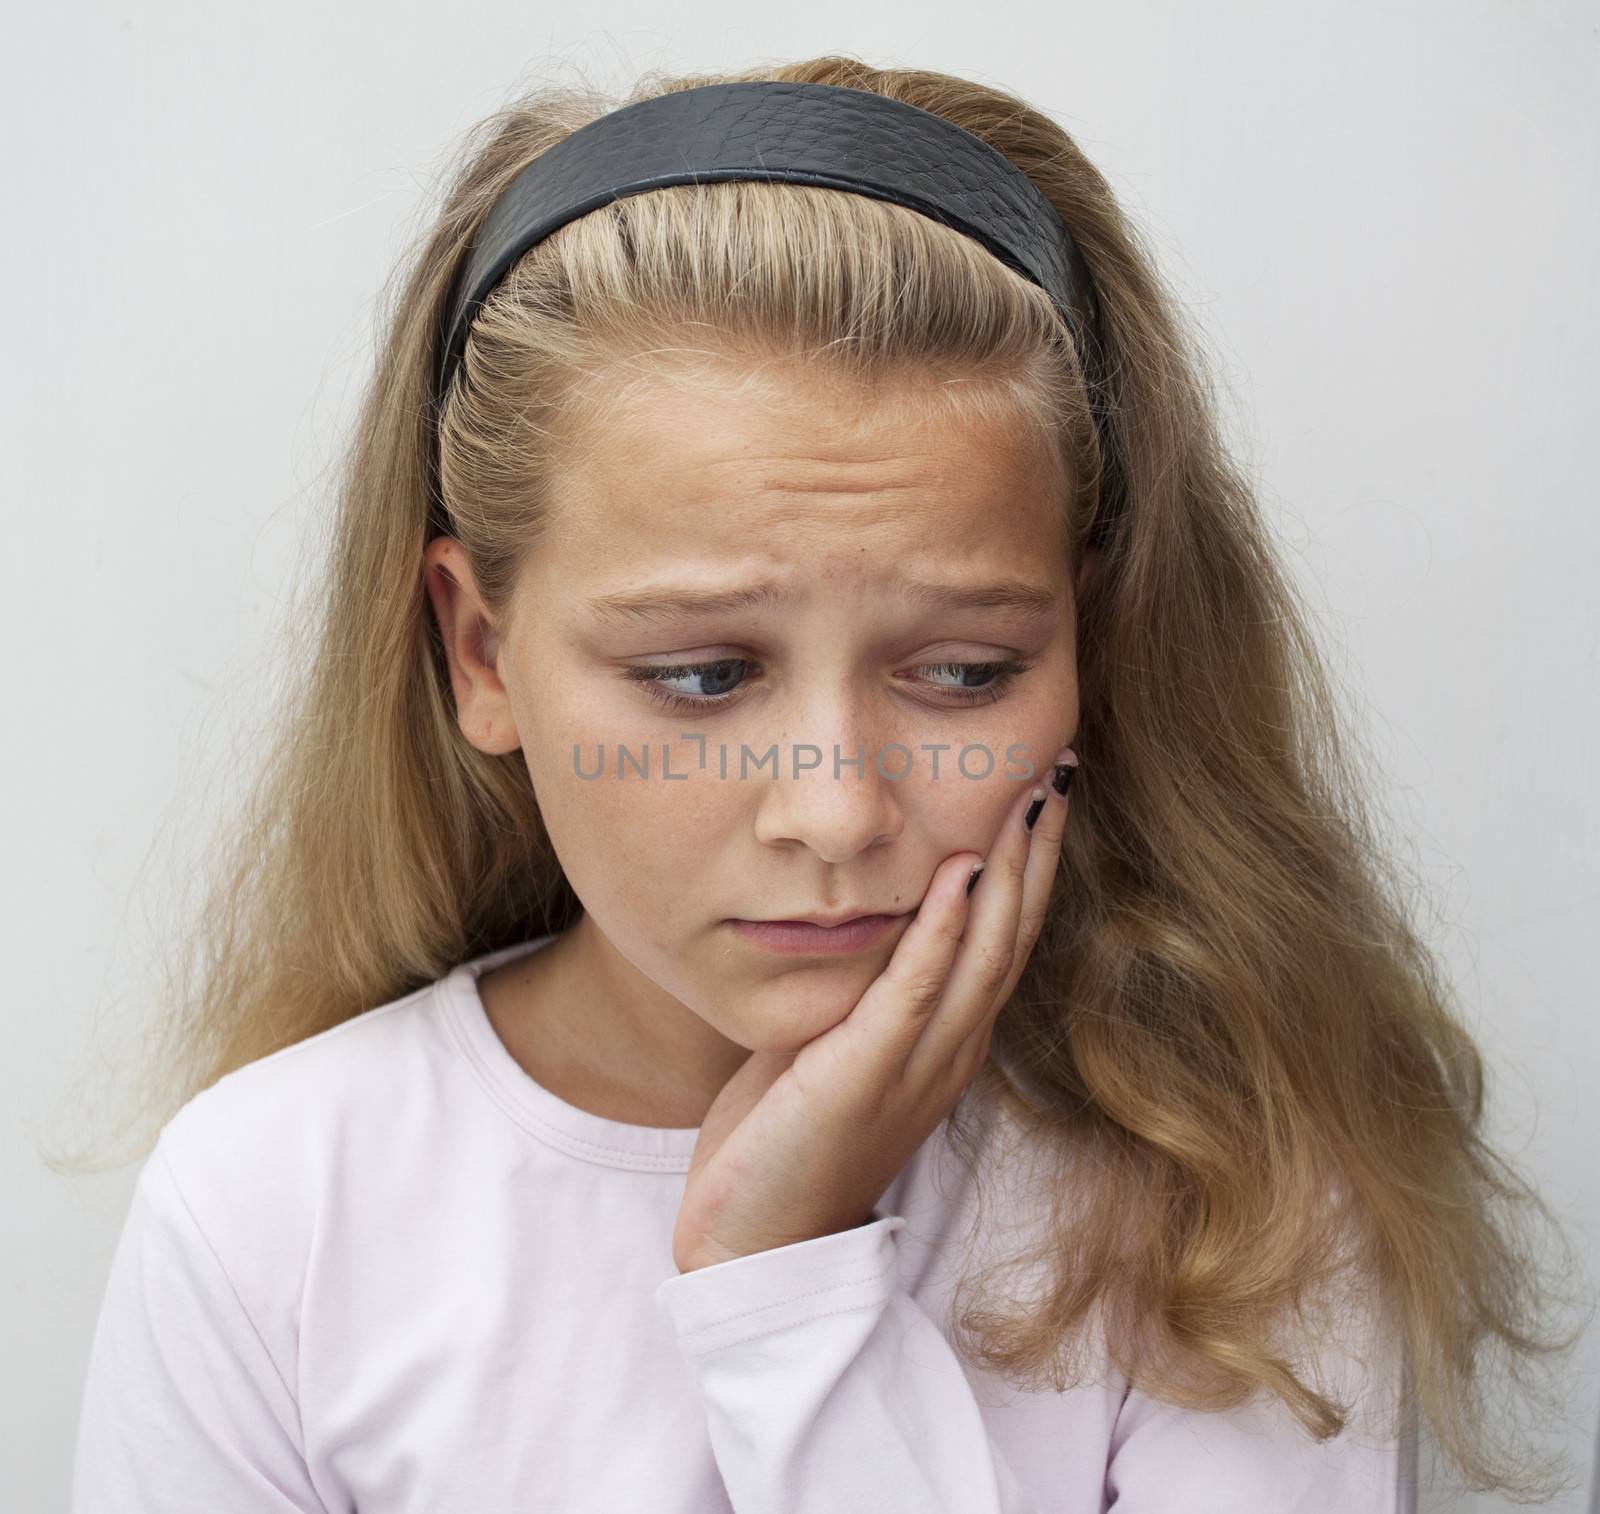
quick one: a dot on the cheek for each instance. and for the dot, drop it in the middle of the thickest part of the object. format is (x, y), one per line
(616, 836)
(1046, 721)
(960, 813)
(965, 807)
(630, 845)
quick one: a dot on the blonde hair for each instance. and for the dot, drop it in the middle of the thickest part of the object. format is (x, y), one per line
(1234, 1056)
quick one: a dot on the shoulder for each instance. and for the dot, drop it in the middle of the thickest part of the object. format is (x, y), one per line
(300, 1090)
(258, 1153)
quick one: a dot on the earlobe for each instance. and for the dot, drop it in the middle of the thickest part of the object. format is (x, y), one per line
(472, 647)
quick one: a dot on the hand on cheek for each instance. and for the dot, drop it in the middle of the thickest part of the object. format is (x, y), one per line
(803, 1144)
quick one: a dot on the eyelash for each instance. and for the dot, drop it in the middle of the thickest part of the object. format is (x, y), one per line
(1006, 671)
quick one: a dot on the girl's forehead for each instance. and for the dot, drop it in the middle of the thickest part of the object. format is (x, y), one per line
(793, 421)
(862, 556)
(797, 521)
(727, 462)
(720, 485)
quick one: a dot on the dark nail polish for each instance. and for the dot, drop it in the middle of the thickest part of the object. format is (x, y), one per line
(1063, 778)
(1033, 813)
(972, 882)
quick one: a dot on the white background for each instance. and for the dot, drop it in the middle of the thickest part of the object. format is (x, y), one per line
(1382, 217)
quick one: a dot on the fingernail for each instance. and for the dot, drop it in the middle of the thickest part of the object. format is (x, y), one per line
(1033, 809)
(972, 882)
(1066, 766)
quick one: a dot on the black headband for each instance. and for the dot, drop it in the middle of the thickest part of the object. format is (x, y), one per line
(819, 134)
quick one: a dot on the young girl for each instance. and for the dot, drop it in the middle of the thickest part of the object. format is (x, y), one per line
(672, 1033)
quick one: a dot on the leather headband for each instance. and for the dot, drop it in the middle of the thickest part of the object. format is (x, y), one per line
(820, 134)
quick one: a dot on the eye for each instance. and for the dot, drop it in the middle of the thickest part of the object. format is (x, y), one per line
(655, 682)
(1001, 674)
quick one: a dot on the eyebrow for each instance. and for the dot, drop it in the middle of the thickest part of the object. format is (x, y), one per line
(652, 606)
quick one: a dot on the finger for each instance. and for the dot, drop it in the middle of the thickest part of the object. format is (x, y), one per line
(1038, 888)
(893, 1013)
(1044, 859)
(988, 947)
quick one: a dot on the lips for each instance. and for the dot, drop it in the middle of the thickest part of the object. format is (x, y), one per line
(827, 922)
(808, 938)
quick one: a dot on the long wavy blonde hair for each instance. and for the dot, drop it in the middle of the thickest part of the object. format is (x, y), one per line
(1228, 1013)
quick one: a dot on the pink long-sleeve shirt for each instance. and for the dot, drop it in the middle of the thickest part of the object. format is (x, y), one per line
(384, 1270)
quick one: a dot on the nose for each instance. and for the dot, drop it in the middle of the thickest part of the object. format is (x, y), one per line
(833, 816)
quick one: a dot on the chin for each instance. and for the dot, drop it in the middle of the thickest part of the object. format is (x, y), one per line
(784, 1015)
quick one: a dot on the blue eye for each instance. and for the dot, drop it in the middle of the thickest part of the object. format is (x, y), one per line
(717, 673)
(1002, 673)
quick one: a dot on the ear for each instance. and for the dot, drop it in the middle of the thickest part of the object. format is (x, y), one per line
(472, 647)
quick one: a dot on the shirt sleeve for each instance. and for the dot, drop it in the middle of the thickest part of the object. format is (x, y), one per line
(827, 1387)
(184, 1410)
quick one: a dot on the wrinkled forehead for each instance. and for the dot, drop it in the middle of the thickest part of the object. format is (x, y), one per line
(802, 464)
